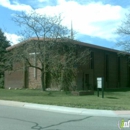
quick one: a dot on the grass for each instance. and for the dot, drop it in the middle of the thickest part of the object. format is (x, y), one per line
(113, 100)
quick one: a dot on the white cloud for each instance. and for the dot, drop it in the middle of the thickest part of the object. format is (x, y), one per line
(42, 0)
(15, 5)
(61, 2)
(93, 19)
(13, 38)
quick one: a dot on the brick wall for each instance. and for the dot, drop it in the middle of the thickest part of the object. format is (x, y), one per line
(112, 70)
(14, 79)
(100, 70)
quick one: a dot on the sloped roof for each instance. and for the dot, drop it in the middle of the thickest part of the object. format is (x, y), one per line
(21, 43)
(73, 41)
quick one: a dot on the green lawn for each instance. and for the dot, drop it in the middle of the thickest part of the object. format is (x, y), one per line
(113, 100)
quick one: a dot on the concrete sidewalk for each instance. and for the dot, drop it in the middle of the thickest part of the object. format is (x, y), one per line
(68, 110)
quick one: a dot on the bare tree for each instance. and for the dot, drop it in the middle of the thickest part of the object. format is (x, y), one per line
(47, 47)
(124, 31)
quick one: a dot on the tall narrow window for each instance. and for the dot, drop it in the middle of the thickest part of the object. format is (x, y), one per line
(34, 57)
(128, 66)
(129, 76)
(118, 69)
(92, 60)
(35, 64)
(106, 67)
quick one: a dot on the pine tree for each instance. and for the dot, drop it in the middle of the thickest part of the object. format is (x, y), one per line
(4, 43)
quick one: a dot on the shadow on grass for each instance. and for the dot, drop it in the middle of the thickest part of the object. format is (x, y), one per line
(117, 90)
(112, 97)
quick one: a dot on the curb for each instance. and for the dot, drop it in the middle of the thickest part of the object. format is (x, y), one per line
(67, 110)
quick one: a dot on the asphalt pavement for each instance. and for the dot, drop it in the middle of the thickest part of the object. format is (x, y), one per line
(68, 110)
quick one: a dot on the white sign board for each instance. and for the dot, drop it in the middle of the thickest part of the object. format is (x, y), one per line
(99, 82)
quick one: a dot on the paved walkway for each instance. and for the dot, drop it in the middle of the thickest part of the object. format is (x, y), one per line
(68, 110)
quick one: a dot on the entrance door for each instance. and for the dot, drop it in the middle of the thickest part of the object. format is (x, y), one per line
(86, 82)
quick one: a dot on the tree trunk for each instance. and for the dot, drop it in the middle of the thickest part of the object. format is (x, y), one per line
(42, 81)
(44, 77)
(61, 80)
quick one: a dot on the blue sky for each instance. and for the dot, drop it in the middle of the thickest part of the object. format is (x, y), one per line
(95, 21)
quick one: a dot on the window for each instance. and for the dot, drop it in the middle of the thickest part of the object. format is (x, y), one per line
(106, 67)
(118, 69)
(35, 63)
(92, 60)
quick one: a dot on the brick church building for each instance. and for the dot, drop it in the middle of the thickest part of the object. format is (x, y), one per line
(105, 62)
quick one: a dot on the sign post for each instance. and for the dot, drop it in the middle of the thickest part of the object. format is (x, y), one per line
(100, 85)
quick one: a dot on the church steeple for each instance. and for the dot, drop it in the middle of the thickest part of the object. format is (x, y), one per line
(72, 35)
